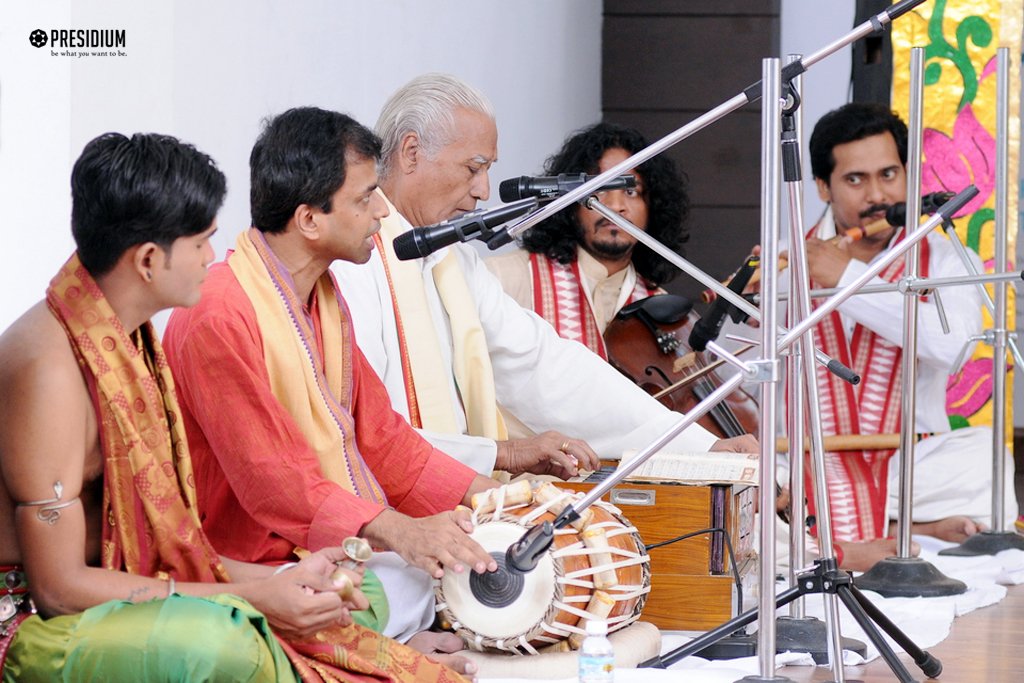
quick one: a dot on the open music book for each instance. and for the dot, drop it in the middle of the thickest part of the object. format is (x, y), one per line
(696, 468)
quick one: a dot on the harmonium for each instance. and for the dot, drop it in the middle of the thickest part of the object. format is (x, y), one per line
(694, 580)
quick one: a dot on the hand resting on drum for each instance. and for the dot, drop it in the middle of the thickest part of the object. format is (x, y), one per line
(432, 543)
(548, 453)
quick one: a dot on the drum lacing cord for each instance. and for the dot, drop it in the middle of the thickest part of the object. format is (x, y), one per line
(542, 508)
(618, 592)
(612, 529)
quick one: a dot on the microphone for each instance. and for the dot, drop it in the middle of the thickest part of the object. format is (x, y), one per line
(477, 224)
(707, 328)
(524, 555)
(896, 214)
(549, 187)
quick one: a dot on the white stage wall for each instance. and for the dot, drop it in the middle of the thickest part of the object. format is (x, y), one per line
(208, 72)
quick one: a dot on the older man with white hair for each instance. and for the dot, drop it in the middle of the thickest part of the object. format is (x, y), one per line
(458, 356)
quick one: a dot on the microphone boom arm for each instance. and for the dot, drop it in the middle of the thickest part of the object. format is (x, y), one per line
(750, 94)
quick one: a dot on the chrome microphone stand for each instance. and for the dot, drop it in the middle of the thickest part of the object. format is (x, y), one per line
(905, 575)
(826, 578)
(798, 631)
(997, 538)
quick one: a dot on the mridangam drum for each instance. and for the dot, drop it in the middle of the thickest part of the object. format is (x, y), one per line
(595, 569)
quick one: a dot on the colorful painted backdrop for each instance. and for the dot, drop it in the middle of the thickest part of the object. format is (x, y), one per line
(960, 38)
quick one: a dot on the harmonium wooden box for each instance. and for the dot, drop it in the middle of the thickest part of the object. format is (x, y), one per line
(693, 585)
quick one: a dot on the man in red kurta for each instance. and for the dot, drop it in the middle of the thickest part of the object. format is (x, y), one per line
(260, 488)
(292, 434)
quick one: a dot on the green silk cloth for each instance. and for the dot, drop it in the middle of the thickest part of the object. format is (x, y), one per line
(160, 640)
(182, 638)
(376, 616)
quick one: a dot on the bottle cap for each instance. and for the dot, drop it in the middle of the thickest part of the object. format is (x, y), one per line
(596, 627)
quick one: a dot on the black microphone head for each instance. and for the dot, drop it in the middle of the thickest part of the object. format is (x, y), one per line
(523, 555)
(896, 215)
(513, 189)
(409, 245)
(930, 203)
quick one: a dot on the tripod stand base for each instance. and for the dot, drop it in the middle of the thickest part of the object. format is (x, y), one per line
(791, 635)
(731, 647)
(809, 635)
(986, 543)
(908, 577)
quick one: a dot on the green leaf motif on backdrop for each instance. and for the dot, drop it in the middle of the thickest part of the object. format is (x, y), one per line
(974, 29)
(975, 225)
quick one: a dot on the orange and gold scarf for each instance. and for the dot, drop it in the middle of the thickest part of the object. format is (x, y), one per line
(148, 483)
(317, 395)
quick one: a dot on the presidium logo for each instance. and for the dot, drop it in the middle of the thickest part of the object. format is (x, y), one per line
(80, 42)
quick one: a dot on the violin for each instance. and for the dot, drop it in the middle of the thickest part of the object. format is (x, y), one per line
(645, 341)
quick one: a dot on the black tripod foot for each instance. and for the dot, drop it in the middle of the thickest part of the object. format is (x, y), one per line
(732, 646)
(986, 543)
(809, 635)
(929, 665)
(791, 635)
(908, 577)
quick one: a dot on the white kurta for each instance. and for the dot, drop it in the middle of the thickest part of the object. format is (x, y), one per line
(952, 470)
(546, 382)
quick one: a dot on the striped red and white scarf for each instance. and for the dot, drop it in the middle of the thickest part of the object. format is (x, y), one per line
(858, 480)
(560, 298)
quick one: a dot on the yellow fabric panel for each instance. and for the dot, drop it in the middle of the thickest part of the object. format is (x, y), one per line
(960, 40)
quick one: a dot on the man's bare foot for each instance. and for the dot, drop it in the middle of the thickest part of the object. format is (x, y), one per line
(861, 556)
(439, 647)
(954, 529)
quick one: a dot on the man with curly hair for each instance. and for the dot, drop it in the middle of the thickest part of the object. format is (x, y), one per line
(577, 268)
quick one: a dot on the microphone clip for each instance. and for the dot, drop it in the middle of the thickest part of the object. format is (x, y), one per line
(707, 328)
(524, 555)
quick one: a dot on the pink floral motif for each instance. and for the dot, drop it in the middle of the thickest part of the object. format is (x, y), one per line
(969, 390)
(951, 164)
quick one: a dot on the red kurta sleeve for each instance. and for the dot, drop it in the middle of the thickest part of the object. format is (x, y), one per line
(261, 491)
(418, 479)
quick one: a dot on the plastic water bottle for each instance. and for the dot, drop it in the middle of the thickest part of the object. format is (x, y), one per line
(597, 660)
